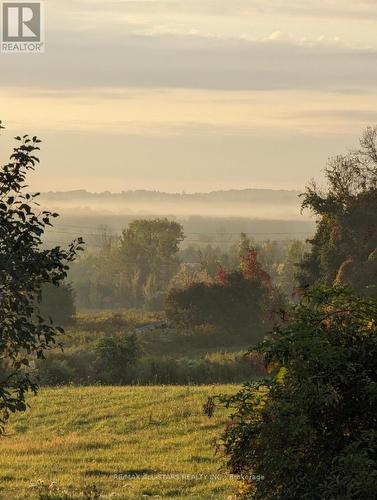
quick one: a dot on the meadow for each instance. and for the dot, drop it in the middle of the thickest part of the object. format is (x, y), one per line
(115, 442)
(172, 356)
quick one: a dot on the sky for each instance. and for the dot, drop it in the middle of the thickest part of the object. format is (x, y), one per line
(192, 95)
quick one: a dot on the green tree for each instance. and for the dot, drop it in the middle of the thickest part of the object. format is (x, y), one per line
(311, 432)
(26, 266)
(346, 219)
(148, 251)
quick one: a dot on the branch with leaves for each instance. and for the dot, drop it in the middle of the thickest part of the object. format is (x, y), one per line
(25, 266)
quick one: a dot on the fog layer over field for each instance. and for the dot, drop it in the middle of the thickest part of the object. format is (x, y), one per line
(249, 203)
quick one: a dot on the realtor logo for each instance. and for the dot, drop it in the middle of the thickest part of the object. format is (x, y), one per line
(22, 27)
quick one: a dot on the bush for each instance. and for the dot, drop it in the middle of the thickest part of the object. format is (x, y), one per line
(58, 303)
(83, 368)
(116, 358)
(236, 302)
(211, 369)
(312, 430)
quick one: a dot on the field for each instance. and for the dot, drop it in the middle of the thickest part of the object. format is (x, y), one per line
(115, 442)
(178, 356)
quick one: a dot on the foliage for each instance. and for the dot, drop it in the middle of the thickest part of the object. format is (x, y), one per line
(132, 271)
(91, 368)
(234, 303)
(285, 271)
(170, 355)
(117, 356)
(58, 303)
(25, 268)
(188, 274)
(236, 299)
(149, 250)
(252, 270)
(102, 280)
(244, 246)
(347, 221)
(312, 430)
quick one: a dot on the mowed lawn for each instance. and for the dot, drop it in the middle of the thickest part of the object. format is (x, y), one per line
(120, 442)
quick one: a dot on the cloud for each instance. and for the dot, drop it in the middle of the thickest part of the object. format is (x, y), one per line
(181, 113)
(346, 9)
(87, 60)
(342, 115)
(194, 44)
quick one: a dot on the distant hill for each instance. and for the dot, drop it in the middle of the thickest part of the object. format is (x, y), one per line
(263, 204)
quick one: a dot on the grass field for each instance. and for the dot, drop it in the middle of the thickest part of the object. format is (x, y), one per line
(115, 442)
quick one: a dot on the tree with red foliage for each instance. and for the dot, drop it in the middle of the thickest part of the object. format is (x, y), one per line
(252, 269)
(221, 275)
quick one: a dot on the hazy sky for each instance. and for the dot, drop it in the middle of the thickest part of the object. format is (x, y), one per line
(193, 95)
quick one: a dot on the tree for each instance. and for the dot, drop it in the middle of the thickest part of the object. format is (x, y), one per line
(288, 269)
(311, 432)
(253, 270)
(188, 274)
(347, 219)
(26, 266)
(131, 271)
(244, 245)
(148, 251)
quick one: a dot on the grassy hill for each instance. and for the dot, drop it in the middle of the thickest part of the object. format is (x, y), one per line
(115, 442)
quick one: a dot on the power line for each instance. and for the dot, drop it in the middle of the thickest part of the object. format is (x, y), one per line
(207, 242)
(267, 233)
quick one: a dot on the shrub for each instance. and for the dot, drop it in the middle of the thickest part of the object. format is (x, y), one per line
(312, 430)
(117, 357)
(63, 368)
(85, 368)
(58, 303)
(236, 302)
